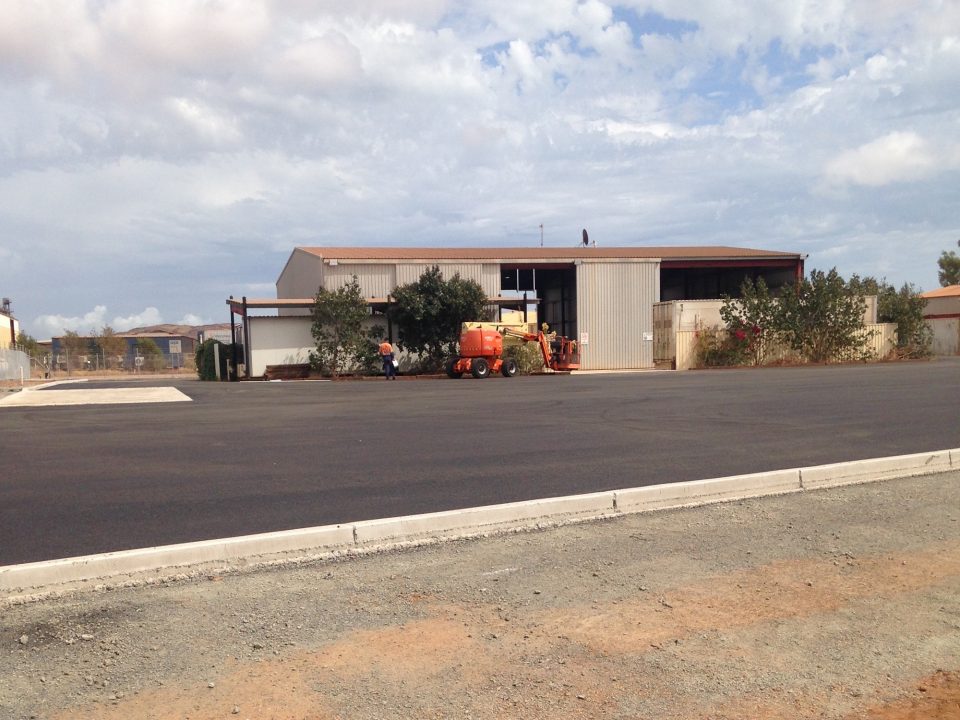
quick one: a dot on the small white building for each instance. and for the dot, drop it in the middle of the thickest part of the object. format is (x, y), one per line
(942, 314)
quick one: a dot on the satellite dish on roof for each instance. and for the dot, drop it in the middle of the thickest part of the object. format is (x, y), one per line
(586, 238)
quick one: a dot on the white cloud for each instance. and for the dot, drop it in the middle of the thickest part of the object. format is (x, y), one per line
(149, 316)
(48, 326)
(193, 36)
(897, 157)
(319, 63)
(93, 321)
(209, 124)
(166, 155)
(191, 319)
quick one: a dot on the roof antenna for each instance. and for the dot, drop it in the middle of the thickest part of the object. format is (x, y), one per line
(541, 234)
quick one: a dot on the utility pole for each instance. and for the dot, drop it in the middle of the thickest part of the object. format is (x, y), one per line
(541, 234)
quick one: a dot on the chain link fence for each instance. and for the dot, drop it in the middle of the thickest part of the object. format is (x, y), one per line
(65, 364)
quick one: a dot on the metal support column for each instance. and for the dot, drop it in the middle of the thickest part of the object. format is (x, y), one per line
(246, 339)
(232, 372)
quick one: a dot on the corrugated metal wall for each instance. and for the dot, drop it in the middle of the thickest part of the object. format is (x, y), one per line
(301, 276)
(615, 309)
(376, 280)
(487, 274)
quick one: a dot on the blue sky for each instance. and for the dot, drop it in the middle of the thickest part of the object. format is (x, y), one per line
(158, 157)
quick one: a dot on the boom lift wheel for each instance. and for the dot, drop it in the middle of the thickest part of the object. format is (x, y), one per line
(479, 368)
(451, 371)
(509, 368)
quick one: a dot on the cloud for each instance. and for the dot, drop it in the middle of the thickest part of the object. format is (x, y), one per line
(897, 157)
(149, 316)
(320, 63)
(92, 322)
(167, 155)
(48, 326)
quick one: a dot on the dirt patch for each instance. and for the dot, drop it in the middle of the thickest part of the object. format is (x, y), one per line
(936, 698)
(841, 604)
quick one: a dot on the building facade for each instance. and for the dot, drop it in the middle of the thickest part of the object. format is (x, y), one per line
(601, 297)
(942, 314)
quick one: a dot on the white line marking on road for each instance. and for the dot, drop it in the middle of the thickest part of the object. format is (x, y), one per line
(104, 396)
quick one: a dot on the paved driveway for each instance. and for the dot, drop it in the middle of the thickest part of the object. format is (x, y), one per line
(255, 457)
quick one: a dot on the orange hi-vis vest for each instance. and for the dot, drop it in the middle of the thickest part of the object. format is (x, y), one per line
(386, 348)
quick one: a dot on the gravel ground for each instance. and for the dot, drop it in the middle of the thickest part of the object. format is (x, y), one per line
(833, 604)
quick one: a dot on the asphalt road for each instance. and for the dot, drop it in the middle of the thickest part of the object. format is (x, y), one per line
(256, 457)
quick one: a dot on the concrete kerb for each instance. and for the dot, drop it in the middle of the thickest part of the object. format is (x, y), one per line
(847, 473)
(37, 579)
(174, 558)
(704, 492)
(489, 518)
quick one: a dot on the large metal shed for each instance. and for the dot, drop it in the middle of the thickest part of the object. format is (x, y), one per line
(602, 297)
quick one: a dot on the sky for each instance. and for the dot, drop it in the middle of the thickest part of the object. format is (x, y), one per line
(158, 157)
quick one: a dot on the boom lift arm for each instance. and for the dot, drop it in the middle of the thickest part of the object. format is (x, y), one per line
(559, 353)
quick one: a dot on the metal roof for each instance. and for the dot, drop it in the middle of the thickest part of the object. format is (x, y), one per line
(948, 291)
(707, 252)
(237, 304)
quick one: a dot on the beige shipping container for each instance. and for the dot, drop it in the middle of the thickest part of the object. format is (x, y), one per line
(614, 321)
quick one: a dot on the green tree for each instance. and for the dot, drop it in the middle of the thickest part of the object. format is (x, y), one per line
(338, 328)
(751, 319)
(76, 346)
(949, 263)
(821, 318)
(152, 356)
(430, 312)
(865, 286)
(205, 359)
(903, 307)
(29, 344)
(112, 346)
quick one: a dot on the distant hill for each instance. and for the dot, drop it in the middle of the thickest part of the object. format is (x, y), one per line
(191, 331)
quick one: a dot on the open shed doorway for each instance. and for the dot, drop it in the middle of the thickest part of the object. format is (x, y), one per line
(555, 287)
(713, 280)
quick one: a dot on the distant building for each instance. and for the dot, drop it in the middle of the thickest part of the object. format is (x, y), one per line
(9, 325)
(220, 333)
(173, 348)
(942, 314)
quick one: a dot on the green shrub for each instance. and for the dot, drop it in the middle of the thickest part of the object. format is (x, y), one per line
(205, 358)
(527, 355)
(719, 348)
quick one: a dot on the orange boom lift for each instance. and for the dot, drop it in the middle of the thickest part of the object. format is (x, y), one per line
(481, 352)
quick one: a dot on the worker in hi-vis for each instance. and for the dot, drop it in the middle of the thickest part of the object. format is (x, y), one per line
(386, 354)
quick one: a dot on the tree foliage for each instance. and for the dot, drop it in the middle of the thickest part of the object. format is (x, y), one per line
(205, 358)
(751, 319)
(29, 344)
(75, 346)
(148, 349)
(821, 318)
(430, 312)
(903, 307)
(74, 343)
(949, 264)
(111, 344)
(338, 329)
